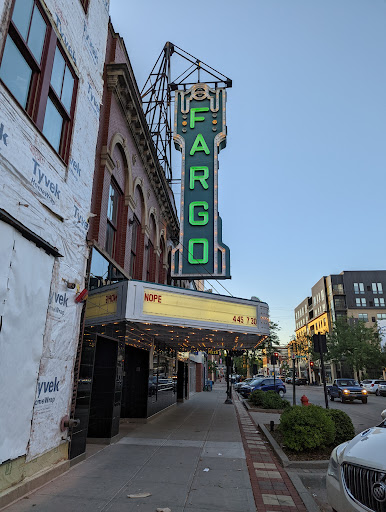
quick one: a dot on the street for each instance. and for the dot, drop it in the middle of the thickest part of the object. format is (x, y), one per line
(362, 415)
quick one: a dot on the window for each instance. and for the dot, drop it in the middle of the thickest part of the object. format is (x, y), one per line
(38, 75)
(359, 288)
(360, 302)
(377, 287)
(150, 270)
(379, 302)
(381, 316)
(363, 317)
(135, 234)
(373, 318)
(112, 220)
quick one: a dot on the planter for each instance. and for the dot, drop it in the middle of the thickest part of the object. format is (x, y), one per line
(252, 408)
(285, 461)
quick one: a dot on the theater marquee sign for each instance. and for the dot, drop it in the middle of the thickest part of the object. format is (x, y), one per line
(200, 134)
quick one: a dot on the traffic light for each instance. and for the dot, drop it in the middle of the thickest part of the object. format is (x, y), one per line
(274, 358)
(311, 365)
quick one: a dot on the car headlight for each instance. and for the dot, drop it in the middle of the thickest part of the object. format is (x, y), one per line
(346, 392)
(364, 392)
(333, 465)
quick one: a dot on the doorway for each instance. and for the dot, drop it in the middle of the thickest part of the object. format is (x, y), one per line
(105, 404)
(135, 383)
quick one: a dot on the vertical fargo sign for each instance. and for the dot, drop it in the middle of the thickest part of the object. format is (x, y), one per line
(200, 134)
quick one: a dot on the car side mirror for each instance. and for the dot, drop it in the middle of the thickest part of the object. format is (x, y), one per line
(383, 414)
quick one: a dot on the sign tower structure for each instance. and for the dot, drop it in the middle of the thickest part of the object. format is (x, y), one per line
(200, 134)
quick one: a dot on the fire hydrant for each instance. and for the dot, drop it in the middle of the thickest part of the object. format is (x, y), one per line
(304, 400)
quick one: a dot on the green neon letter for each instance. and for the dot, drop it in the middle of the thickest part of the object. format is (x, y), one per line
(201, 178)
(205, 251)
(204, 215)
(202, 147)
(193, 117)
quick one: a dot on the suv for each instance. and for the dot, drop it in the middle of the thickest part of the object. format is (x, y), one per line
(372, 386)
(347, 390)
(382, 389)
(264, 384)
(356, 474)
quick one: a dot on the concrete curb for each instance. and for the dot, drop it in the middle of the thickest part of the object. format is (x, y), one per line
(286, 463)
(306, 497)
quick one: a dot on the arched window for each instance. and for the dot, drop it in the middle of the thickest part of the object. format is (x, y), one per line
(135, 243)
(112, 219)
(151, 256)
(169, 276)
(137, 236)
(161, 270)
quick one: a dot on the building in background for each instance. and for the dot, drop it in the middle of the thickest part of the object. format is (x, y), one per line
(52, 56)
(355, 295)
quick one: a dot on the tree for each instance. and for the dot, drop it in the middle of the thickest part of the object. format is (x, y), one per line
(355, 344)
(285, 369)
(212, 367)
(273, 338)
(246, 361)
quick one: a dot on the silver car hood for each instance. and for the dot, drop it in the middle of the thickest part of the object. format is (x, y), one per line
(367, 449)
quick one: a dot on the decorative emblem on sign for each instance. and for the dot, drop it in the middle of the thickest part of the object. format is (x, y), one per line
(200, 134)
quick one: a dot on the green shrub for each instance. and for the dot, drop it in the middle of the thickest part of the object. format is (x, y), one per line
(344, 429)
(306, 428)
(272, 400)
(267, 400)
(257, 398)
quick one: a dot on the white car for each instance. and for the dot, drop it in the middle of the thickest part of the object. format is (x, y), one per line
(372, 386)
(356, 475)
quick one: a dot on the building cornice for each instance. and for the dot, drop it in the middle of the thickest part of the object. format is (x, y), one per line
(121, 83)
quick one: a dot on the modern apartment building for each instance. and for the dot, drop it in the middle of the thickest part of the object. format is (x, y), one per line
(351, 294)
(356, 295)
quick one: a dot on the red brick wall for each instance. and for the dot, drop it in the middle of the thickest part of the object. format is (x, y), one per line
(199, 377)
(113, 121)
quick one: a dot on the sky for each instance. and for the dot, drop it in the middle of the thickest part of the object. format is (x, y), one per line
(302, 179)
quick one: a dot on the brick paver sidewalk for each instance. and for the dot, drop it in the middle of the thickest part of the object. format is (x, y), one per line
(272, 488)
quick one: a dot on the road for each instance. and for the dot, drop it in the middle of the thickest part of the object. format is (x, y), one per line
(362, 415)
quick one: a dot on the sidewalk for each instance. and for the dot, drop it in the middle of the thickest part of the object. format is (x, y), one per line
(169, 458)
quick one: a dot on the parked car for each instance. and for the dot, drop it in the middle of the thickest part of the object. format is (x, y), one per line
(356, 473)
(301, 381)
(288, 380)
(372, 386)
(238, 385)
(347, 390)
(266, 384)
(382, 389)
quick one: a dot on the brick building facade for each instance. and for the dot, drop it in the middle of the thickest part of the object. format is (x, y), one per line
(135, 219)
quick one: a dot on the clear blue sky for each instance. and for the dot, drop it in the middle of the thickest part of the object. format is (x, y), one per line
(302, 180)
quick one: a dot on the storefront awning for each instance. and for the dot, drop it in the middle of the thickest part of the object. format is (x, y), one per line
(182, 319)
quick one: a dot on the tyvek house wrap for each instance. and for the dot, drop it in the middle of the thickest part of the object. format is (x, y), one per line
(53, 200)
(24, 287)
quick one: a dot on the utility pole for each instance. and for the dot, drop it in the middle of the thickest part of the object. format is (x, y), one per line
(228, 362)
(293, 380)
